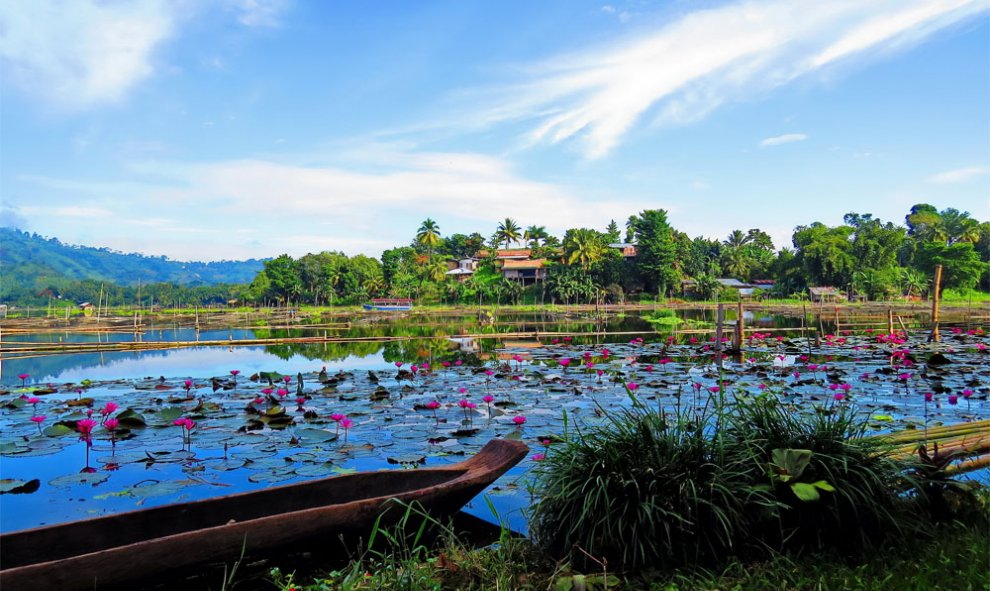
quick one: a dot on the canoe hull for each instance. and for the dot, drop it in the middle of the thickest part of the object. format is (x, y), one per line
(145, 553)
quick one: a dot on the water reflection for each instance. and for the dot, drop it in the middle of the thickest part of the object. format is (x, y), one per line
(374, 343)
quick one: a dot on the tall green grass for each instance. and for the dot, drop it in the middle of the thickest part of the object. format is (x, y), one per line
(649, 490)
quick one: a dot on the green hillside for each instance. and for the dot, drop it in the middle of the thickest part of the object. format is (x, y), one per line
(30, 264)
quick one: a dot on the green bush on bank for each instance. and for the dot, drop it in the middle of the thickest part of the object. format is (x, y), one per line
(650, 490)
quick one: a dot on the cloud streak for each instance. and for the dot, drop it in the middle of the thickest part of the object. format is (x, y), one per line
(959, 175)
(689, 67)
(787, 138)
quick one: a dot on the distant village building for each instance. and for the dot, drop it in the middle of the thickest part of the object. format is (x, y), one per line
(626, 249)
(745, 290)
(824, 294)
(506, 254)
(463, 269)
(526, 272)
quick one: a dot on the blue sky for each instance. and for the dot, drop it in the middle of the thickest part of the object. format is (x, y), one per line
(248, 128)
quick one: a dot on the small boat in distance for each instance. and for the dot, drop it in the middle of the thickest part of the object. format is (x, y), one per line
(389, 304)
(139, 545)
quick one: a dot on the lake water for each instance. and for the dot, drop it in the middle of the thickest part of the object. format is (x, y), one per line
(238, 444)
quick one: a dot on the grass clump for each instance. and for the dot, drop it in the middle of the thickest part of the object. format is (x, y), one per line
(746, 479)
(644, 491)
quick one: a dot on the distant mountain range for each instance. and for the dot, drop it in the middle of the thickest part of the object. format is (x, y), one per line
(28, 258)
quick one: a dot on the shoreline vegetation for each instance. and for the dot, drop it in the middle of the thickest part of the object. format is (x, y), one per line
(862, 259)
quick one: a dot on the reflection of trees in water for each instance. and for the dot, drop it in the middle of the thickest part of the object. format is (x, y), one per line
(54, 365)
(324, 351)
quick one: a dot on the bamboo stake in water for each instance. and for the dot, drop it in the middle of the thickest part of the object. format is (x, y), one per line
(934, 337)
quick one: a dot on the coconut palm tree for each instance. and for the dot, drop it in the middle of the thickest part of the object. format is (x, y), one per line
(584, 247)
(436, 272)
(706, 285)
(534, 234)
(508, 231)
(735, 262)
(737, 239)
(374, 285)
(428, 235)
(913, 281)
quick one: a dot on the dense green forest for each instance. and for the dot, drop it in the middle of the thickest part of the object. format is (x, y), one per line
(864, 257)
(34, 268)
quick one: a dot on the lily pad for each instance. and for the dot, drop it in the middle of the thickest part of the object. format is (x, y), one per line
(81, 478)
(14, 486)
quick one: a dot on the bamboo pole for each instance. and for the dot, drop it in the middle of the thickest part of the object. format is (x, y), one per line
(934, 337)
(737, 339)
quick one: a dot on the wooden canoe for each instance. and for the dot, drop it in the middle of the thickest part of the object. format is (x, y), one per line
(109, 550)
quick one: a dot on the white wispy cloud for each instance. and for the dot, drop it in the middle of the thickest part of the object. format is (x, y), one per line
(706, 58)
(81, 53)
(305, 205)
(259, 13)
(959, 175)
(787, 138)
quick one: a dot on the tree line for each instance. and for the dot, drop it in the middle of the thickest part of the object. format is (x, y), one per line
(864, 257)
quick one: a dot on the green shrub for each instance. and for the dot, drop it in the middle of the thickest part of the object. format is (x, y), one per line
(744, 480)
(643, 491)
(862, 504)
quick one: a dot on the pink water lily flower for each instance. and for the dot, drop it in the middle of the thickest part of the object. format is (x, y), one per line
(488, 398)
(519, 419)
(433, 405)
(85, 427)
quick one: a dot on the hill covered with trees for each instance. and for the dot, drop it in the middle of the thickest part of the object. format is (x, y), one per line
(32, 266)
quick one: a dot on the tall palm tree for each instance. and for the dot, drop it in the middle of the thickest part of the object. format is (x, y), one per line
(534, 234)
(508, 231)
(737, 239)
(428, 235)
(436, 272)
(333, 274)
(913, 281)
(374, 285)
(583, 247)
(735, 262)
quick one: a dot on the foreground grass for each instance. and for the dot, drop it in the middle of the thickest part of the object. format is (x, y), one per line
(957, 558)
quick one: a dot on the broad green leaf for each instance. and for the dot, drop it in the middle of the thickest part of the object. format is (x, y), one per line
(57, 430)
(804, 491)
(131, 418)
(821, 484)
